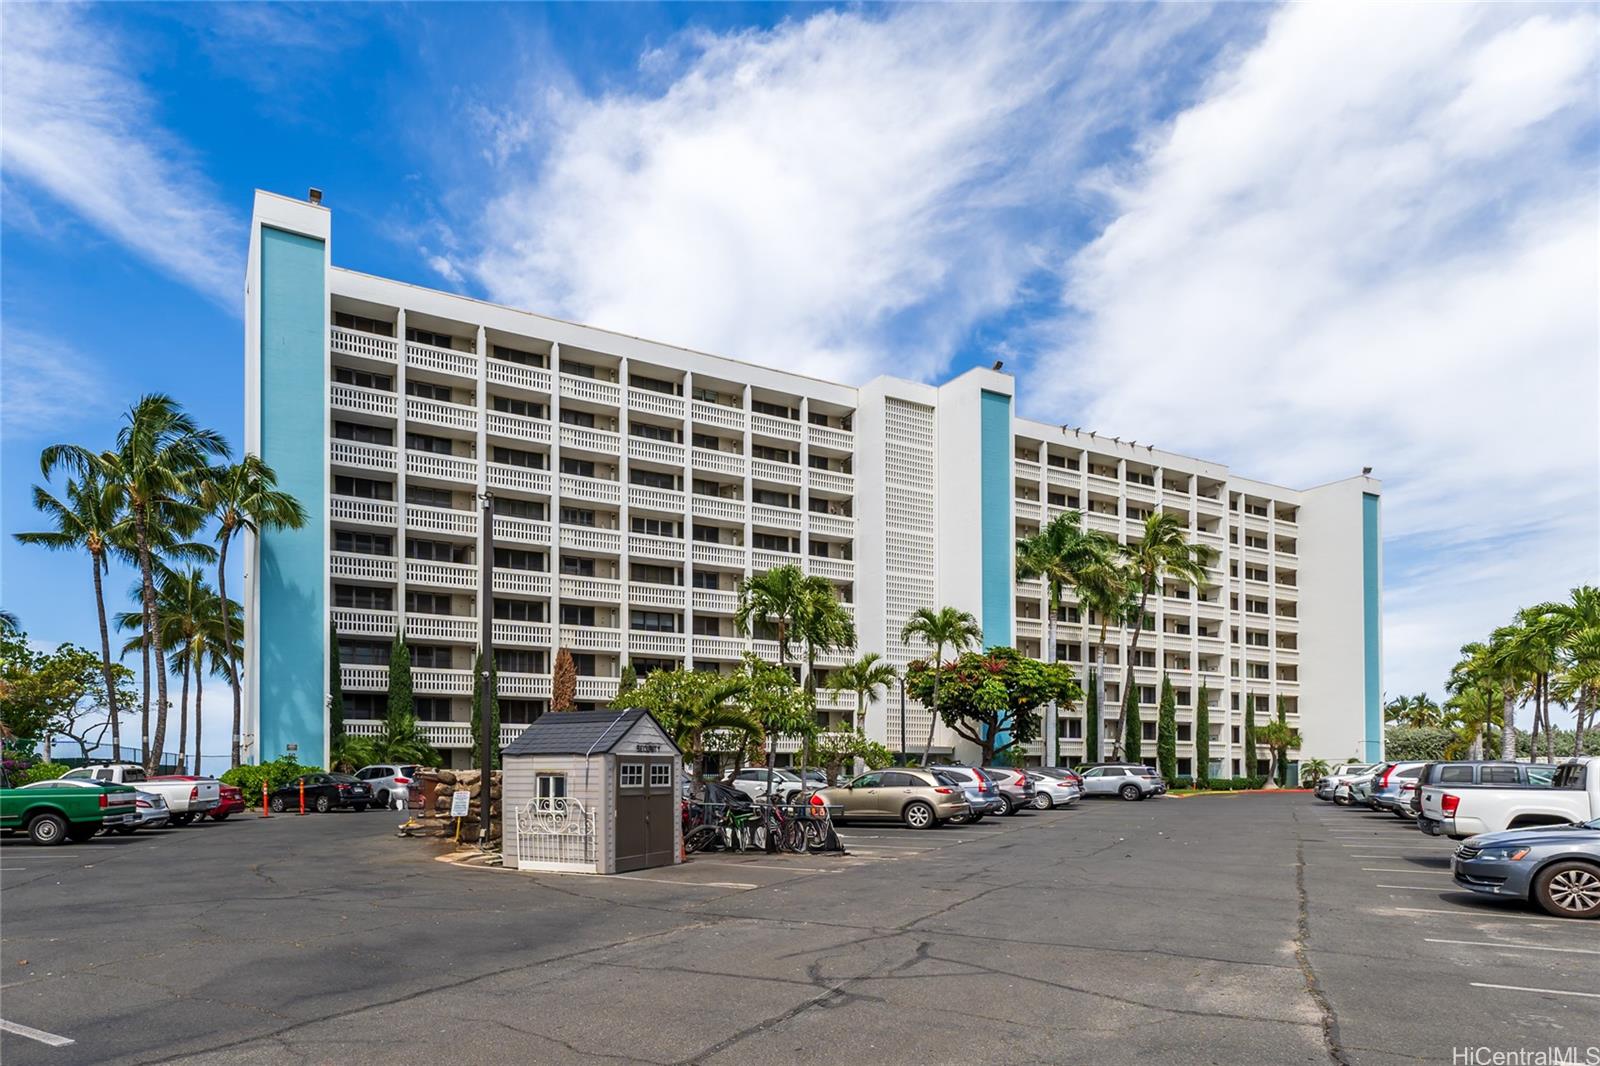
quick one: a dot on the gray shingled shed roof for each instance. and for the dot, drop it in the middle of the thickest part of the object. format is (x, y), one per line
(576, 732)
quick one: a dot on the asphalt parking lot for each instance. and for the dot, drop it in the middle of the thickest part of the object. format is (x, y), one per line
(1239, 929)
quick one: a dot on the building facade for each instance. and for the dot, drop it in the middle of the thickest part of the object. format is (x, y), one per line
(626, 487)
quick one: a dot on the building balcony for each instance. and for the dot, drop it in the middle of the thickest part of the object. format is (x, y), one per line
(827, 437)
(441, 360)
(597, 689)
(508, 582)
(431, 681)
(516, 427)
(648, 547)
(523, 687)
(730, 463)
(1140, 493)
(1028, 509)
(591, 589)
(731, 556)
(716, 414)
(440, 734)
(517, 479)
(353, 455)
(521, 634)
(1029, 628)
(774, 517)
(592, 441)
(656, 403)
(363, 512)
(770, 426)
(521, 530)
(451, 628)
(669, 501)
(531, 378)
(364, 401)
(777, 473)
(441, 575)
(641, 594)
(362, 567)
(365, 345)
(421, 518)
(1025, 470)
(364, 678)
(648, 450)
(762, 561)
(724, 649)
(1061, 477)
(832, 481)
(450, 468)
(589, 390)
(1176, 499)
(718, 508)
(456, 416)
(1106, 523)
(715, 601)
(591, 638)
(590, 539)
(590, 489)
(352, 622)
(836, 569)
(832, 525)
(667, 644)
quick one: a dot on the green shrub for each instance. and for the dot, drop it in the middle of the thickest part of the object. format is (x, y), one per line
(42, 771)
(276, 774)
(1426, 743)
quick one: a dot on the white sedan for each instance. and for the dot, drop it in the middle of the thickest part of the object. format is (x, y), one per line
(1051, 791)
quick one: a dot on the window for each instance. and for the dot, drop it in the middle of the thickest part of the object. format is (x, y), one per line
(774, 499)
(667, 388)
(550, 786)
(363, 598)
(432, 708)
(707, 626)
(519, 610)
(573, 614)
(774, 455)
(707, 579)
(347, 376)
(1184, 730)
(362, 488)
(345, 320)
(577, 516)
(519, 508)
(437, 551)
(644, 667)
(1497, 775)
(653, 621)
(1184, 768)
(705, 395)
(577, 370)
(1074, 728)
(1148, 730)
(427, 390)
(650, 574)
(429, 602)
(519, 661)
(518, 559)
(512, 406)
(660, 775)
(897, 779)
(517, 457)
(436, 656)
(1093, 771)
(520, 712)
(772, 543)
(423, 336)
(578, 467)
(653, 479)
(654, 432)
(656, 527)
(570, 417)
(709, 441)
(631, 775)
(514, 355)
(584, 661)
(707, 534)
(368, 705)
(422, 442)
(706, 487)
(429, 497)
(363, 434)
(1236, 734)
(577, 565)
(867, 781)
(363, 653)
(777, 410)
(362, 543)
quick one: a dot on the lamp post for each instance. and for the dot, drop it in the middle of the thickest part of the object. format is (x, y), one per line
(486, 647)
(902, 716)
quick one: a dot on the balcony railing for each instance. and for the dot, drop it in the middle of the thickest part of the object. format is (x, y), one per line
(367, 345)
(441, 360)
(716, 414)
(518, 479)
(359, 456)
(351, 622)
(718, 647)
(762, 561)
(641, 594)
(431, 681)
(780, 473)
(828, 437)
(833, 481)
(594, 441)
(521, 530)
(591, 638)
(649, 450)
(521, 582)
(768, 425)
(364, 678)
(437, 413)
(597, 589)
(597, 689)
(366, 512)
(441, 575)
(523, 686)
(642, 544)
(715, 601)
(641, 643)
(440, 734)
(728, 555)
(521, 634)
(591, 489)
(442, 627)
(574, 387)
(589, 539)
(516, 427)
(357, 398)
(837, 569)
(730, 463)
(774, 517)
(442, 467)
(649, 499)
(422, 518)
(832, 525)
(362, 567)
(656, 403)
(505, 372)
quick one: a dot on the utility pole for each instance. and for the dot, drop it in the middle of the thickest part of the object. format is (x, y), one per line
(485, 709)
(902, 716)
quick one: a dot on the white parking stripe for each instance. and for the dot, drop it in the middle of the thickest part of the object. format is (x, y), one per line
(1481, 916)
(683, 884)
(1414, 888)
(1503, 944)
(1389, 870)
(1543, 991)
(35, 1034)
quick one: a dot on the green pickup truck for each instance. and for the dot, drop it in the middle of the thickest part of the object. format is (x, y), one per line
(55, 813)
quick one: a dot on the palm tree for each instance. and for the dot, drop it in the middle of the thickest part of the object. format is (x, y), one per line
(1064, 555)
(1506, 662)
(864, 677)
(1416, 712)
(90, 520)
(160, 455)
(1163, 551)
(948, 626)
(185, 606)
(9, 623)
(717, 707)
(206, 648)
(773, 601)
(1572, 629)
(243, 496)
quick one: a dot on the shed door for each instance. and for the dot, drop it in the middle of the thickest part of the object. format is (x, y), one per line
(646, 804)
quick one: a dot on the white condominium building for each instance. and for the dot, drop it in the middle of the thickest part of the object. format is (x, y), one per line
(629, 487)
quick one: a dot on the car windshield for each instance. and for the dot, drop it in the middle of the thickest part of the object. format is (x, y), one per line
(348, 779)
(1591, 825)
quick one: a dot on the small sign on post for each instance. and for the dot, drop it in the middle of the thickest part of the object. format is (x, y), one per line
(460, 804)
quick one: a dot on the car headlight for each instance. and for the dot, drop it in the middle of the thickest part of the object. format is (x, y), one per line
(1504, 854)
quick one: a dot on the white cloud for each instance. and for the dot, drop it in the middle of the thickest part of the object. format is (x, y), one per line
(45, 385)
(1372, 241)
(845, 194)
(75, 122)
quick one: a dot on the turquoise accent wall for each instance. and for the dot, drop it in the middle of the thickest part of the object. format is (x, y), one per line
(995, 486)
(1372, 626)
(291, 576)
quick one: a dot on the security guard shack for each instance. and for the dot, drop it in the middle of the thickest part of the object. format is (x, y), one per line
(594, 792)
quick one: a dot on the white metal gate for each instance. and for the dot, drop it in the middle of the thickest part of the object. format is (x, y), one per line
(555, 833)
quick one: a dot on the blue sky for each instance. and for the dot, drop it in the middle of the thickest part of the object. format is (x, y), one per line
(1296, 240)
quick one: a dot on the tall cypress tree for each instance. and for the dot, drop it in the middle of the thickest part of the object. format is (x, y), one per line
(1202, 739)
(1249, 737)
(494, 711)
(402, 713)
(1091, 725)
(335, 688)
(1167, 731)
(1132, 726)
(1283, 757)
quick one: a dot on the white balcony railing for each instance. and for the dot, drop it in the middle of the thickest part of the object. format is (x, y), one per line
(442, 627)
(828, 437)
(594, 441)
(832, 525)
(521, 634)
(441, 360)
(718, 462)
(833, 481)
(649, 547)
(718, 647)
(362, 567)
(364, 678)
(366, 512)
(351, 622)
(594, 490)
(837, 569)
(518, 479)
(598, 589)
(431, 681)
(589, 539)
(422, 518)
(779, 473)
(438, 413)
(521, 582)
(505, 372)
(716, 601)
(716, 414)
(442, 467)
(649, 450)
(762, 561)
(717, 507)
(656, 403)
(367, 401)
(591, 638)
(728, 555)
(641, 594)
(769, 426)
(358, 456)
(441, 575)
(523, 686)
(597, 689)
(516, 427)
(440, 734)
(649, 499)
(521, 530)
(574, 387)
(774, 517)
(669, 644)
(367, 345)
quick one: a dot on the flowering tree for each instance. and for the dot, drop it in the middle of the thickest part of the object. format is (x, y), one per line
(992, 698)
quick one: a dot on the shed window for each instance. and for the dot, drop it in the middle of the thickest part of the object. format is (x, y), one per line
(632, 774)
(551, 786)
(660, 775)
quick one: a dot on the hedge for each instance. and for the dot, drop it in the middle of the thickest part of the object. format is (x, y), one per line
(276, 774)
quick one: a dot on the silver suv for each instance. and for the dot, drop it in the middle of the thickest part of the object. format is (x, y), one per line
(1016, 787)
(1127, 780)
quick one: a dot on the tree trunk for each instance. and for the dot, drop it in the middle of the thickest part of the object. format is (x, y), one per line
(1052, 739)
(144, 726)
(1577, 719)
(1549, 726)
(1133, 652)
(183, 716)
(1099, 691)
(1508, 717)
(199, 704)
(227, 646)
(938, 660)
(105, 662)
(153, 629)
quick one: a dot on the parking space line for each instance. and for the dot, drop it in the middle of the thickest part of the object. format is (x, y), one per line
(684, 884)
(1481, 916)
(1500, 944)
(35, 1034)
(1543, 991)
(1414, 888)
(1390, 870)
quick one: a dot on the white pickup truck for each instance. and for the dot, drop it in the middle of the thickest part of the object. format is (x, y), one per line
(1461, 811)
(186, 800)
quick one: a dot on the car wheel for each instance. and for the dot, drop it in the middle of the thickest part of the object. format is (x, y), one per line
(223, 817)
(360, 807)
(919, 816)
(124, 830)
(1129, 792)
(1341, 801)
(383, 798)
(323, 804)
(182, 819)
(1043, 802)
(1005, 805)
(47, 829)
(1569, 889)
(80, 833)
(277, 805)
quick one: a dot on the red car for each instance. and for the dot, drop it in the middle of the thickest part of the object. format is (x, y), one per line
(232, 798)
